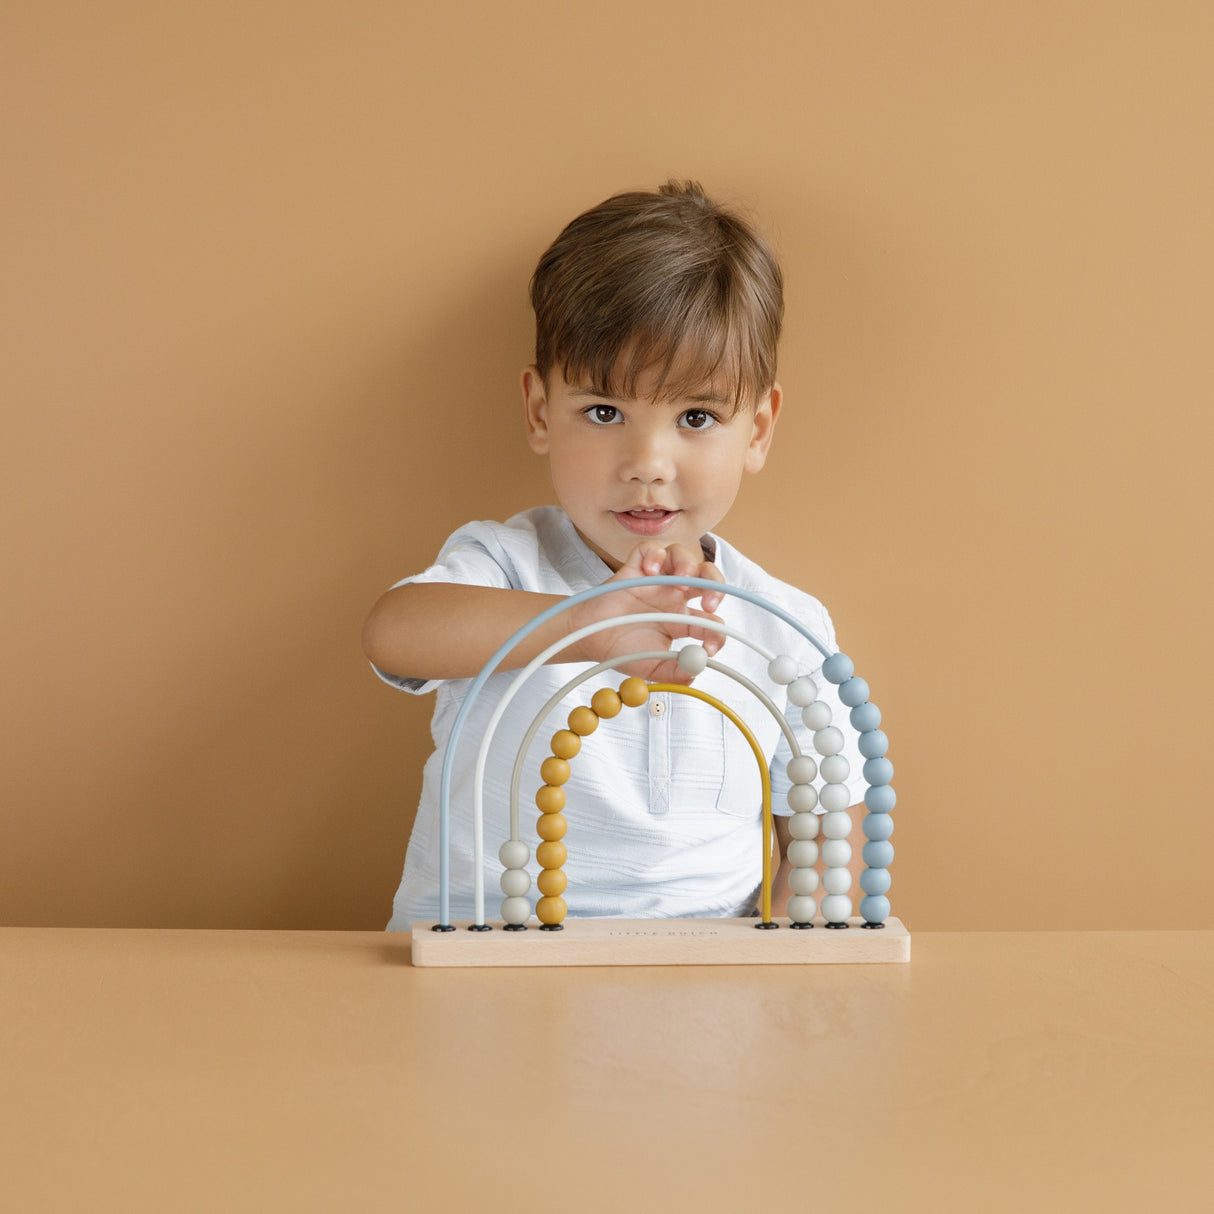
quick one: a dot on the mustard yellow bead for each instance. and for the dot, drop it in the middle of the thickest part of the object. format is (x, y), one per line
(606, 703)
(634, 692)
(551, 827)
(566, 744)
(551, 882)
(551, 855)
(554, 770)
(582, 720)
(550, 799)
(551, 910)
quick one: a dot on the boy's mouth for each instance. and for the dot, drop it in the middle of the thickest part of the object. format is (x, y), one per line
(646, 522)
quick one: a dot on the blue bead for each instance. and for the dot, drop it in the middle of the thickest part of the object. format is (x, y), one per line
(875, 880)
(853, 692)
(874, 908)
(865, 717)
(880, 799)
(838, 668)
(878, 853)
(878, 826)
(879, 771)
(873, 743)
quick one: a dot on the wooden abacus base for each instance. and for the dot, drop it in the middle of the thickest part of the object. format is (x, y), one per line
(662, 942)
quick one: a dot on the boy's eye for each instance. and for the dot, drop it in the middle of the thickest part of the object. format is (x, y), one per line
(603, 415)
(697, 419)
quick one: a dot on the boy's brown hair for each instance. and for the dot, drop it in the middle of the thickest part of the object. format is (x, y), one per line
(668, 282)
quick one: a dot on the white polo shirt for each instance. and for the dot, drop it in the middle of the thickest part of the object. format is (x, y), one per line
(664, 801)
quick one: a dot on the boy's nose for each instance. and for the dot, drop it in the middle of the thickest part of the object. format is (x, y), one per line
(649, 460)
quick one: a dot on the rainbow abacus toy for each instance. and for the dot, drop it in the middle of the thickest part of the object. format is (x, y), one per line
(872, 936)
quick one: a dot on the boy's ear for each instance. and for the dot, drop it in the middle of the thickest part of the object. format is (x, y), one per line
(767, 412)
(535, 410)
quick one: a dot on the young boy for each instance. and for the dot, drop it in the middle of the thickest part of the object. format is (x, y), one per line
(653, 393)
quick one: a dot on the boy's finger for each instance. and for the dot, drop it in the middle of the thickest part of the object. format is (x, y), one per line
(687, 561)
(633, 563)
(710, 600)
(643, 561)
(708, 637)
(656, 559)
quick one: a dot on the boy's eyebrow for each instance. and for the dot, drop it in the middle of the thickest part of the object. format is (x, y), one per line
(697, 398)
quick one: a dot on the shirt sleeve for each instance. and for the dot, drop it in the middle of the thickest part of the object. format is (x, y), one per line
(473, 556)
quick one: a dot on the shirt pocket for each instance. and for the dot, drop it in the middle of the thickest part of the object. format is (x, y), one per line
(712, 766)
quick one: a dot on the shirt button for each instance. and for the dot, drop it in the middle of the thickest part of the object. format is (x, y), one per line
(656, 706)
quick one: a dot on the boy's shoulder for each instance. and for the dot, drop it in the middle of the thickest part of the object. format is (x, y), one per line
(536, 549)
(528, 527)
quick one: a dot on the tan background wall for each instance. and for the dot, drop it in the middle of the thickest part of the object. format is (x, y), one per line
(263, 281)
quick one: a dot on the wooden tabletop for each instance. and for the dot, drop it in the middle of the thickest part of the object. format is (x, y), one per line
(320, 1071)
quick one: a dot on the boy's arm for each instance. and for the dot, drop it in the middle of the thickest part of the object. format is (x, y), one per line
(444, 630)
(448, 630)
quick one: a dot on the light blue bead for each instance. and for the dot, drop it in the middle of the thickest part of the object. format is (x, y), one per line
(875, 880)
(865, 717)
(838, 668)
(874, 908)
(853, 692)
(878, 853)
(879, 771)
(880, 799)
(873, 743)
(878, 826)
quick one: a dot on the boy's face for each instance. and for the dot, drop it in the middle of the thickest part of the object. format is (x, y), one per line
(627, 470)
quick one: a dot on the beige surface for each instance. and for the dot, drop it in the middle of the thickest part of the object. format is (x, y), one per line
(263, 271)
(160, 1071)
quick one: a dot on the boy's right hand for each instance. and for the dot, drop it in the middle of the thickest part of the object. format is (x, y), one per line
(648, 560)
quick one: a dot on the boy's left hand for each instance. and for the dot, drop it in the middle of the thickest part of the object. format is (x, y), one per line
(650, 560)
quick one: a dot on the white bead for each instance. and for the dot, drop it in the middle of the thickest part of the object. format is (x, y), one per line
(515, 882)
(836, 853)
(802, 798)
(802, 770)
(516, 910)
(828, 741)
(834, 797)
(802, 691)
(514, 853)
(782, 670)
(801, 909)
(802, 853)
(693, 659)
(836, 880)
(835, 769)
(803, 880)
(816, 715)
(804, 826)
(836, 908)
(836, 825)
